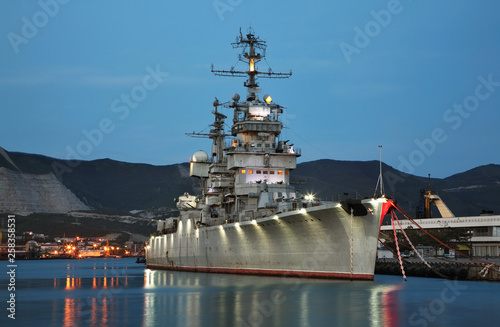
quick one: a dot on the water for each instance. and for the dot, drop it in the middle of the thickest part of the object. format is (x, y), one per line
(119, 292)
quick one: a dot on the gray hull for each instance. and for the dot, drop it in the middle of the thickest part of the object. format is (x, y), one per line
(311, 242)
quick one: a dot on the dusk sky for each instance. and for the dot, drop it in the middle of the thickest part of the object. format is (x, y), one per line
(127, 79)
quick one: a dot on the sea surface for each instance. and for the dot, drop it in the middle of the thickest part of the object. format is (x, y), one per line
(120, 292)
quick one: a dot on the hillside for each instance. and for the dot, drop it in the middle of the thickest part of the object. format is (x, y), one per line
(466, 194)
(125, 186)
(26, 193)
(110, 184)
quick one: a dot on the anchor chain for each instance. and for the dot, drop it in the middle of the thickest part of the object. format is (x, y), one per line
(397, 247)
(352, 242)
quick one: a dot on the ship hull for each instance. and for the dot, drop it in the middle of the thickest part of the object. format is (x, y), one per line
(318, 242)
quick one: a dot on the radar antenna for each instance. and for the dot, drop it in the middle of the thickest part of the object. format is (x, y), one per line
(217, 134)
(250, 56)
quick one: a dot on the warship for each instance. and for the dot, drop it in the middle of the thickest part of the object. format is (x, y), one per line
(249, 218)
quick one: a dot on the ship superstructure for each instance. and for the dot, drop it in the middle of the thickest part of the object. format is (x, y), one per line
(250, 177)
(249, 219)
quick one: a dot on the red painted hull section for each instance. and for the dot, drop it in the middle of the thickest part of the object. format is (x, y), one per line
(264, 272)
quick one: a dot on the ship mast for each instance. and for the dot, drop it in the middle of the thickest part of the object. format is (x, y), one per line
(217, 134)
(380, 180)
(254, 162)
(251, 44)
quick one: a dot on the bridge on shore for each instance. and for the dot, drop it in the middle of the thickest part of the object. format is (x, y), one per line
(453, 222)
(485, 238)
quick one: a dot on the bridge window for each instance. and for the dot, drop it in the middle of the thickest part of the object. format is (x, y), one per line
(481, 231)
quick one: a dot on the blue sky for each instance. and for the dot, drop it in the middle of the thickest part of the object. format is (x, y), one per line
(127, 79)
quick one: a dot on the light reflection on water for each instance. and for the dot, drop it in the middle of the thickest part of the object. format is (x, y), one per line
(112, 292)
(261, 301)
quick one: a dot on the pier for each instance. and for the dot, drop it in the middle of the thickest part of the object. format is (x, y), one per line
(452, 222)
(485, 231)
(462, 269)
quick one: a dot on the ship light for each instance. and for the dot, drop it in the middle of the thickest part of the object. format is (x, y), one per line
(309, 197)
(252, 65)
(237, 225)
(254, 221)
(268, 98)
(275, 217)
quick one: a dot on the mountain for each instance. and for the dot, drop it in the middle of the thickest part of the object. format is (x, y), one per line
(124, 186)
(478, 189)
(466, 194)
(107, 183)
(26, 193)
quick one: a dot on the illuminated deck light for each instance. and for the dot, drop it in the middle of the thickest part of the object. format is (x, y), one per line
(268, 98)
(309, 197)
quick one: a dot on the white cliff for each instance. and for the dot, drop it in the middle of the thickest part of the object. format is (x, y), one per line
(23, 194)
